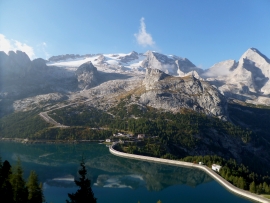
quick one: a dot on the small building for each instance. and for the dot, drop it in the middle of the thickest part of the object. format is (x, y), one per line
(119, 135)
(216, 167)
(108, 140)
(121, 141)
(201, 163)
(141, 136)
(128, 135)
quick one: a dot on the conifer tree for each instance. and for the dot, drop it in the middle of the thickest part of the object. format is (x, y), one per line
(5, 186)
(252, 187)
(241, 183)
(35, 194)
(20, 192)
(266, 188)
(84, 194)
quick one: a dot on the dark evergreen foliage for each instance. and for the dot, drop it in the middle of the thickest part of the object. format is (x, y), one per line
(84, 194)
(35, 194)
(22, 124)
(5, 185)
(13, 188)
(20, 192)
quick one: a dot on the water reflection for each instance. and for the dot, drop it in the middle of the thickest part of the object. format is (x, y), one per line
(66, 182)
(104, 169)
(124, 179)
(120, 181)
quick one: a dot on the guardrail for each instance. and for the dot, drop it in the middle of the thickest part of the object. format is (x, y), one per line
(209, 171)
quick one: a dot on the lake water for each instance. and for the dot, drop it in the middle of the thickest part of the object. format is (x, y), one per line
(114, 179)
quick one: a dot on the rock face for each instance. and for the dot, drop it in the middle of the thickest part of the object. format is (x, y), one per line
(67, 57)
(172, 65)
(130, 57)
(152, 76)
(15, 64)
(173, 93)
(87, 75)
(23, 77)
(250, 77)
(246, 80)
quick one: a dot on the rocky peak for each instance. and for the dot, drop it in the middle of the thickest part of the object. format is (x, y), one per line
(3, 56)
(68, 57)
(172, 65)
(63, 57)
(15, 63)
(130, 57)
(39, 64)
(152, 76)
(155, 74)
(86, 68)
(87, 75)
(185, 67)
(100, 59)
(159, 61)
(3, 59)
(255, 55)
(175, 93)
(19, 57)
(133, 53)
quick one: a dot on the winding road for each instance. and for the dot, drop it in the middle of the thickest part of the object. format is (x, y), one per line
(48, 119)
(44, 115)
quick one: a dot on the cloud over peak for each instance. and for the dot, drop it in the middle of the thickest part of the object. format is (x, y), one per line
(143, 38)
(7, 45)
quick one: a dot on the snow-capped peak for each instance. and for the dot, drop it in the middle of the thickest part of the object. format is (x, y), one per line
(254, 55)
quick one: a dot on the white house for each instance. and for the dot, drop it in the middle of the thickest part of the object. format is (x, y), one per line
(201, 163)
(141, 136)
(121, 135)
(108, 140)
(216, 167)
(121, 141)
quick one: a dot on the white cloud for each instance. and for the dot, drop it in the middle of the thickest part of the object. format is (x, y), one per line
(143, 38)
(7, 45)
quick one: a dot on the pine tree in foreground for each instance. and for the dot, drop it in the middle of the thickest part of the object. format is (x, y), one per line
(35, 194)
(84, 194)
(20, 192)
(6, 191)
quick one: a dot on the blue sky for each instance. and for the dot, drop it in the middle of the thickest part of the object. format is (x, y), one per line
(204, 31)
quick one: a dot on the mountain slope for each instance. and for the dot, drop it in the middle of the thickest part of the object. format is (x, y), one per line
(174, 93)
(246, 80)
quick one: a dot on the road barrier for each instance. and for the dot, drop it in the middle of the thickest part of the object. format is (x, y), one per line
(204, 168)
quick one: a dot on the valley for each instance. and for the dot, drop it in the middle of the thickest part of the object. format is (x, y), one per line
(182, 109)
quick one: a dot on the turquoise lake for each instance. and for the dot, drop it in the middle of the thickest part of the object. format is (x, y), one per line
(114, 179)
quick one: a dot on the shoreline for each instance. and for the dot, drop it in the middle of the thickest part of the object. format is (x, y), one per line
(214, 175)
(28, 141)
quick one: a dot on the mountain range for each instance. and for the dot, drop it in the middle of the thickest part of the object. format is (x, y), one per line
(66, 77)
(125, 86)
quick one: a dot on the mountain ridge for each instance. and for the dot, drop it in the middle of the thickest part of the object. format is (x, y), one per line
(246, 79)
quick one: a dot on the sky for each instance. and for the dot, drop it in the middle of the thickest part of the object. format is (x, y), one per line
(204, 31)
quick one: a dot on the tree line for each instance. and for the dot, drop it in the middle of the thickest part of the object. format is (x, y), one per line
(13, 187)
(237, 174)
